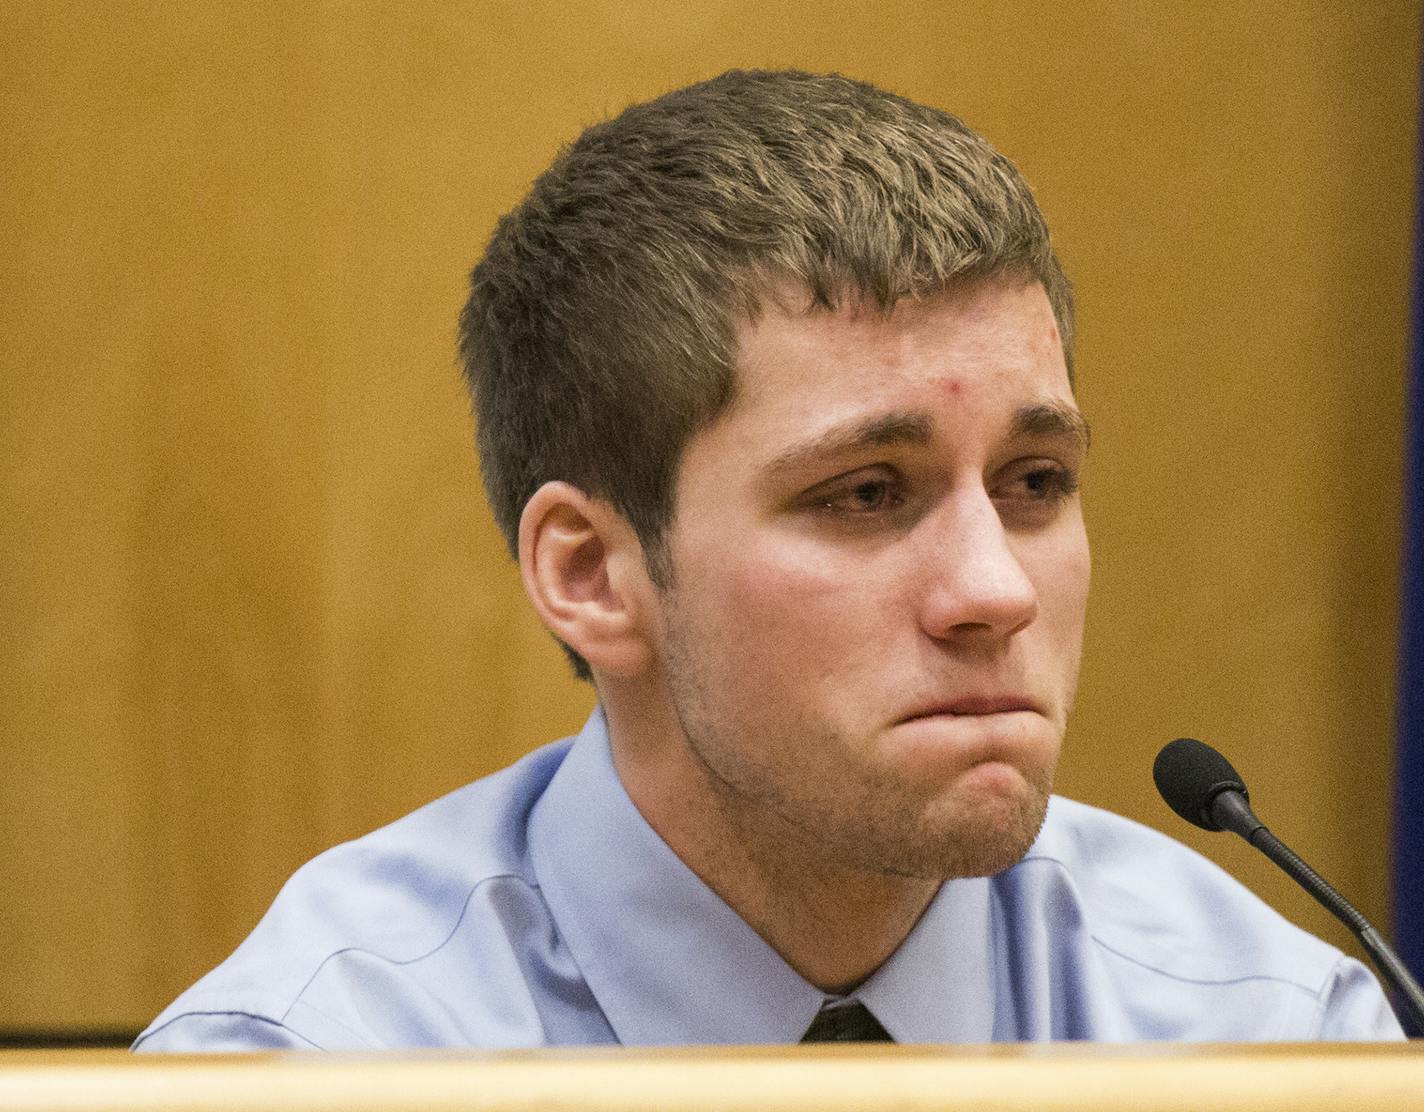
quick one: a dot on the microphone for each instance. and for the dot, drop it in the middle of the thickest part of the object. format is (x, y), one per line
(1199, 784)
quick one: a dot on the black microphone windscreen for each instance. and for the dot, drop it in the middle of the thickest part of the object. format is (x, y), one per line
(1190, 774)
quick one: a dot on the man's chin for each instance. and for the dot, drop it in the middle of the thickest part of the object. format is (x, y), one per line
(985, 836)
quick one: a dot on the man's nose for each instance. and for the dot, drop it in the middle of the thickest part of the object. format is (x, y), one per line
(975, 585)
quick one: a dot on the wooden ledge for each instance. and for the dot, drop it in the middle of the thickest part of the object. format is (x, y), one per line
(1044, 1078)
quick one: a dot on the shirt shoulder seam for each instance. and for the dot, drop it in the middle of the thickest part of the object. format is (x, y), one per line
(256, 1017)
(464, 910)
(1243, 979)
(1098, 940)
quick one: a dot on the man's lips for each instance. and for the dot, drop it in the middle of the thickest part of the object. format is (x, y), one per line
(973, 705)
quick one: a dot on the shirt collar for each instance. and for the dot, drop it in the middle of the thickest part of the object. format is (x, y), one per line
(670, 963)
(938, 987)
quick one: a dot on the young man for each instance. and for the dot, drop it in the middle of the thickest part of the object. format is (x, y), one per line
(773, 382)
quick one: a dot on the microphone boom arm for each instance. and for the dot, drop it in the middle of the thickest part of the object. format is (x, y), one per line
(1231, 811)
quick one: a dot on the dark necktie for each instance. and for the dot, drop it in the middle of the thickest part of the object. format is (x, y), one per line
(846, 1023)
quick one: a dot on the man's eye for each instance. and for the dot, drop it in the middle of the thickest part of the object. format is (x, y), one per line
(1042, 483)
(862, 497)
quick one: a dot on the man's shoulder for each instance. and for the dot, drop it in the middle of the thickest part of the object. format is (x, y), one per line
(1156, 902)
(1146, 939)
(390, 899)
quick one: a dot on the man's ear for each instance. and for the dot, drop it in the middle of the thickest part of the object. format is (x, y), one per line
(583, 570)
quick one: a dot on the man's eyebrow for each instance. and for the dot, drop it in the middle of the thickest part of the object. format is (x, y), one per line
(917, 427)
(908, 427)
(1052, 419)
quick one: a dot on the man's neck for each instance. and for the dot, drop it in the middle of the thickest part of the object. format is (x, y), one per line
(834, 923)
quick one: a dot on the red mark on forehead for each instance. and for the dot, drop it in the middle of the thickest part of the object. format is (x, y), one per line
(953, 387)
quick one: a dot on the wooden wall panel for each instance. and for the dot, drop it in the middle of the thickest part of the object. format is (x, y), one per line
(252, 601)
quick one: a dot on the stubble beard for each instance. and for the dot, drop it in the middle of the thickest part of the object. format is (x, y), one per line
(847, 817)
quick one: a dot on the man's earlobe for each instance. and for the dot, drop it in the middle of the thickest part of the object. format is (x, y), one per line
(583, 570)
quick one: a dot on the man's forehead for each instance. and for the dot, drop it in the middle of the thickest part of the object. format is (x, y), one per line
(857, 374)
(784, 316)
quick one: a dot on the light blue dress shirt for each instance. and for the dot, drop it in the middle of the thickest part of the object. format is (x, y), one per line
(536, 907)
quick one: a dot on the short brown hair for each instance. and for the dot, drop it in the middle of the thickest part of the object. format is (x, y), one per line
(599, 335)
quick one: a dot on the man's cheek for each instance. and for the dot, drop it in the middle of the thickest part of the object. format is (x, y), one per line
(794, 578)
(795, 614)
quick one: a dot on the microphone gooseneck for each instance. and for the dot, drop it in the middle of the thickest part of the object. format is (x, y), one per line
(1201, 786)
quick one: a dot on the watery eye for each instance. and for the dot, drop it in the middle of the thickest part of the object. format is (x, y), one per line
(870, 495)
(1043, 484)
(861, 497)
